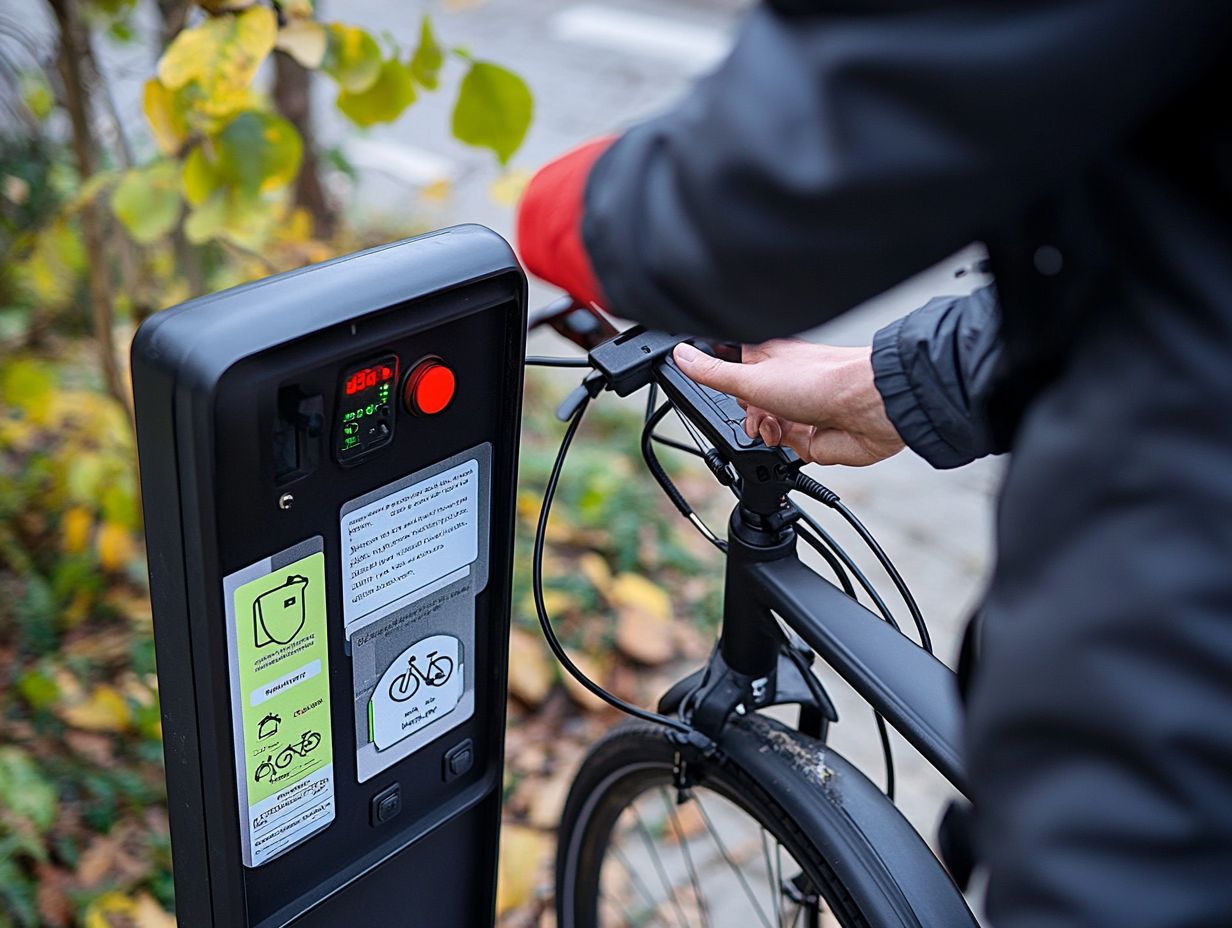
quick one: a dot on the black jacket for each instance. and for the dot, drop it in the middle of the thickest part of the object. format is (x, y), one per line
(1088, 143)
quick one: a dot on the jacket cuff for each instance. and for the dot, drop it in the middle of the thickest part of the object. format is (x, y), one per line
(903, 407)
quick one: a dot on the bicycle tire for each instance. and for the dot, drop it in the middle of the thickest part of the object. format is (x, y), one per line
(441, 677)
(869, 871)
(408, 691)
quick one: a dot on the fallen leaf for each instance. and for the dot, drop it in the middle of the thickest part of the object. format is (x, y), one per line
(635, 590)
(116, 546)
(100, 912)
(687, 823)
(75, 529)
(593, 566)
(530, 673)
(103, 710)
(149, 914)
(643, 635)
(55, 909)
(522, 850)
(549, 800)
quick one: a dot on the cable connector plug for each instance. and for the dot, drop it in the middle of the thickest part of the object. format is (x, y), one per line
(815, 490)
(719, 468)
(693, 739)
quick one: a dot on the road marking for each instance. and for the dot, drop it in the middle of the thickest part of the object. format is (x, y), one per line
(694, 47)
(416, 167)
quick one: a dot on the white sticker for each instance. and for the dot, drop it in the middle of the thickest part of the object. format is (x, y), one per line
(411, 538)
(421, 686)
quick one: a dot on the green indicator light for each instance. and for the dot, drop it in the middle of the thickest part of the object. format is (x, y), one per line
(371, 408)
(349, 416)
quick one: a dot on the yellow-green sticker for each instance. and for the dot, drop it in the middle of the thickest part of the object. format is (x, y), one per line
(276, 611)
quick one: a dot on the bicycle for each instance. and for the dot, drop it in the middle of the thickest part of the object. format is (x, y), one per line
(406, 684)
(307, 744)
(830, 845)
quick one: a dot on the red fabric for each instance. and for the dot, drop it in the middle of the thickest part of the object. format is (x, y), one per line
(549, 223)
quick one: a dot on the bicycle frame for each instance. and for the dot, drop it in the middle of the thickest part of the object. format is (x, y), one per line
(917, 694)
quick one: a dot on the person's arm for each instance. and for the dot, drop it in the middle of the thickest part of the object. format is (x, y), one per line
(935, 370)
(833, 154)
(925, 383)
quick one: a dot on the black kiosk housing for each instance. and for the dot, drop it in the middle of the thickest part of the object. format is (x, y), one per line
(318, 449)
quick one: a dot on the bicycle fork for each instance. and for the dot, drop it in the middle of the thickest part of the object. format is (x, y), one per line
(754, 665)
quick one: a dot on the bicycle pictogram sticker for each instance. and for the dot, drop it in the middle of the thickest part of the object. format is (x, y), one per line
(406, 684)
(270, 767)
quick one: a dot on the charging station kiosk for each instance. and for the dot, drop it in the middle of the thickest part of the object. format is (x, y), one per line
(328, 465)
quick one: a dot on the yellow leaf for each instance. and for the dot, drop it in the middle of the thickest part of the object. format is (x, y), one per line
(99, 913)
(507, 189)
(439, 191)
(224, 49)
(530, 672)
(304, 40)
(104, 710)
(522, 852)
(149, 914)
(644, 636)
(593, 567)
(636, 591)
(115, 546)
(166, 119)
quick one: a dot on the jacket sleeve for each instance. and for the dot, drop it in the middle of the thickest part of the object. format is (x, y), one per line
(837, 151)
(935, 369)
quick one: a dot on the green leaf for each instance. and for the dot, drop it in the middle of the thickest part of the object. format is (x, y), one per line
(391, 93)
(36, 94)
(199, 179)
(426, 62)
(27, 385)
(258, 152)
(147, 201)
(207, 220)
(352, 58)
(493, 110)
(24, 792)
(50, 272)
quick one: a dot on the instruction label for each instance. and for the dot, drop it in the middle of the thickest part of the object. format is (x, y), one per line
(409, 539)
(414, 557)
(276, 622)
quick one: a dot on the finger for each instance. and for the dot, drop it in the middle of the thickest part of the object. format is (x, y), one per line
(834, 446)
(771, 431)
(752, 420)
(721, 375)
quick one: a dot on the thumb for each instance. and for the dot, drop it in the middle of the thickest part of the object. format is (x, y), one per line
(710, 371)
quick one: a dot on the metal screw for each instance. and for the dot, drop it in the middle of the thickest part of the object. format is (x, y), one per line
(286, 501)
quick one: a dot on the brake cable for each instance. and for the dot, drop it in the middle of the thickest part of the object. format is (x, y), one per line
(682, 730)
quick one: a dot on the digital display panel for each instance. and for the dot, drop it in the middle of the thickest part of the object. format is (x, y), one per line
(365, 419)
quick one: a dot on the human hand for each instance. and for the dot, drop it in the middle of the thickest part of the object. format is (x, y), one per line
(819, 400)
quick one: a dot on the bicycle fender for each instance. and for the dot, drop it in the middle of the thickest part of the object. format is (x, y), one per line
(864, 837)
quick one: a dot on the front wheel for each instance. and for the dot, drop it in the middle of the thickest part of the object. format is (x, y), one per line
(632, 853)
(774, 830)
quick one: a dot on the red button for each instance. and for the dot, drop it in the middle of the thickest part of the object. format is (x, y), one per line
(429, 388)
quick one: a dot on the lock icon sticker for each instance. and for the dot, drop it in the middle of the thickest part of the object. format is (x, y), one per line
(278, 614)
